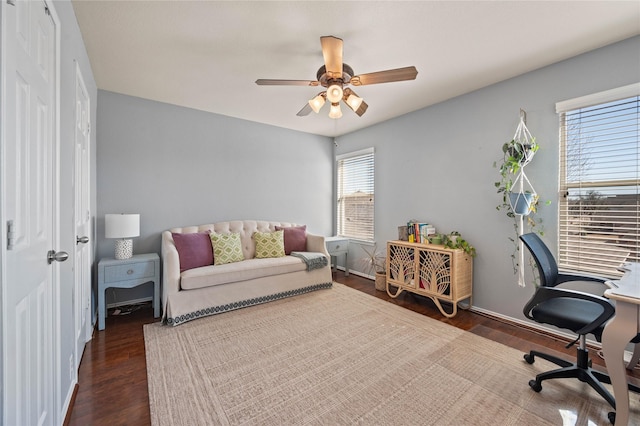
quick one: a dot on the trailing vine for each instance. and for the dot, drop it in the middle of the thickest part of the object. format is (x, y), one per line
(455, 241)
(515, 155)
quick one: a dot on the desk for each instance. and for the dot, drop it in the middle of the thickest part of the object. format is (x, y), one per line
(128, 273)
(624, 326)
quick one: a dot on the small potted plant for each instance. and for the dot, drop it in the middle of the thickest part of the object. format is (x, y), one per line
(523, 203)
(455, 241)
(376, 262)
(516, 155)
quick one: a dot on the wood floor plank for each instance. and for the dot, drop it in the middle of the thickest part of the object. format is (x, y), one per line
(112, 386)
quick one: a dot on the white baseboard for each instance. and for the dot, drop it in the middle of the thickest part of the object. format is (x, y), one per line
(361, 274)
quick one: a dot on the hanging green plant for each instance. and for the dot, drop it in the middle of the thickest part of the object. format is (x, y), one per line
(519, 199)
(515, 155)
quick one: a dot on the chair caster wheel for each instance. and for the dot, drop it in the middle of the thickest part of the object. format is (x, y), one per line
(533, 384)
(529, 358)
(612, 417)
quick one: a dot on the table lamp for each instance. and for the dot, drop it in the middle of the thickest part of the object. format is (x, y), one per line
(123, 227)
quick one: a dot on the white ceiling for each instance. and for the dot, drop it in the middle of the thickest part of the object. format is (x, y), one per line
(207, 54)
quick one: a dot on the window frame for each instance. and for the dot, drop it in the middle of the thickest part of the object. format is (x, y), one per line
(367, 178)
(576, 251)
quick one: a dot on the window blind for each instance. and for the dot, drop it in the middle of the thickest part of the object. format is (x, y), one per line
(599, 216)
(355, 191)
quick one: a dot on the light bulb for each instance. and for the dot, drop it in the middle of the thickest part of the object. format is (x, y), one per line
(335, 111)
(354, 102)
(316, 103)
(334, 93)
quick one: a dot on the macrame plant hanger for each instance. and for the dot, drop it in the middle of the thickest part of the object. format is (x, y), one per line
(522, 195)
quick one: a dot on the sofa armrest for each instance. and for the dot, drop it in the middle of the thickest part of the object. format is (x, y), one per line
(315, 243)
(170, 266)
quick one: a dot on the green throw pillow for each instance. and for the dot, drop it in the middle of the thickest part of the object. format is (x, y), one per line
(227, 248)
(269, 244)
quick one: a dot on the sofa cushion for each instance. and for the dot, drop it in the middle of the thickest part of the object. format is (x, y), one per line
(245, 228)
(194, 250)
(295, 238)
(269, 244)
(208, 276)
(227, 248)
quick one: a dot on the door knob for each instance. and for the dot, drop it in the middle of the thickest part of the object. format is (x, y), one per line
(83, 240)
(58, 256)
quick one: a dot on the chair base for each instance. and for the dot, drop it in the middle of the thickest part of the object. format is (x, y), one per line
(580, 370)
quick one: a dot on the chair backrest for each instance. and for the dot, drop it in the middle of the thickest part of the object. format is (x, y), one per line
(547, 266)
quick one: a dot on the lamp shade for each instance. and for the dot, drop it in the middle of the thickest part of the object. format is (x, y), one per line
(316, 103)
(335, 111)
(354, 102)
(334, 93)
(121, 225)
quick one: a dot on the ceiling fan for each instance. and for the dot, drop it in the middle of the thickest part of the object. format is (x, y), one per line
(335, 76)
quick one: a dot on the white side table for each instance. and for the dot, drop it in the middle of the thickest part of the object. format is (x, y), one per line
(128, 273)
(337, 246)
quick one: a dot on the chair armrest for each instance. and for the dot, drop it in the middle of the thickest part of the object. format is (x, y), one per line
(544, 294)
(582, 283)
(562, 278)
(315, 243)
(170, 266)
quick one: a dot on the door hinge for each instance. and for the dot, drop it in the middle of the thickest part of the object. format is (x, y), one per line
(46, 10)
(11, 2)
(10, 236)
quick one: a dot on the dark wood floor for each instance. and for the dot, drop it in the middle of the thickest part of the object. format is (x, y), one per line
(113, 379)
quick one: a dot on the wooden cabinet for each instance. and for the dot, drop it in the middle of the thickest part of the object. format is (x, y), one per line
(430, 270)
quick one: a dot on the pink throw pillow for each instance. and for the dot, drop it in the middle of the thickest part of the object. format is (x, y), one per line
(295, 238)
(194, 250)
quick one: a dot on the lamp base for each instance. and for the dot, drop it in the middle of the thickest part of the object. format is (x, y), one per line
(124, 249)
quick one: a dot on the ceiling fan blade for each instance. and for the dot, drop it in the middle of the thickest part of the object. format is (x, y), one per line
(306, 109)
(332, 53)
(398, 74)
(269, 82)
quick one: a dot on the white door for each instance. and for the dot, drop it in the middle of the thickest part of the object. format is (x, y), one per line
(29, 283)
(82, 221)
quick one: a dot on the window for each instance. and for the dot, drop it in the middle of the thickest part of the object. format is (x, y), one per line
(599, 181)
(355, 194)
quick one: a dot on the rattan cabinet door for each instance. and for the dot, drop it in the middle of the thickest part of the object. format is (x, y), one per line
(434, 268)
(402, 265)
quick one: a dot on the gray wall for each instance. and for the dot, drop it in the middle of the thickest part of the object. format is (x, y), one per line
(436, 164)
(178, 166)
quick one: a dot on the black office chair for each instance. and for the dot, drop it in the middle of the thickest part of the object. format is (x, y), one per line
(569, 302)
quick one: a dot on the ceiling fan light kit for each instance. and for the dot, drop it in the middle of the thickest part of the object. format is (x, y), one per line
(335, 75)
(334, 93)
(335, 111)
(353, 100)
(317, 102)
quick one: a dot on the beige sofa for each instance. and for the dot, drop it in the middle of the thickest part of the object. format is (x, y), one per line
(213, 289)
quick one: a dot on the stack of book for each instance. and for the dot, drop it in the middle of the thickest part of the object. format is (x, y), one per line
(418, 232)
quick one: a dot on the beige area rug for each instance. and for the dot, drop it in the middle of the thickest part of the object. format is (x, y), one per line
(339, 356)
